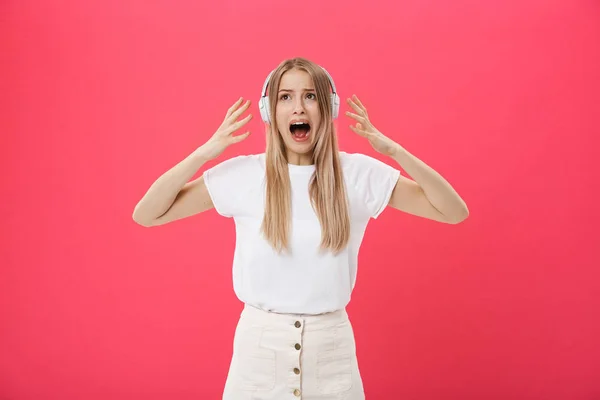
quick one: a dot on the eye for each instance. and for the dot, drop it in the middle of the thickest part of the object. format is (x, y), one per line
(282, 97)
(314, 97)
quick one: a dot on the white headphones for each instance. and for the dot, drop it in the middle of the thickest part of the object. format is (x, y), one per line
(263, 103)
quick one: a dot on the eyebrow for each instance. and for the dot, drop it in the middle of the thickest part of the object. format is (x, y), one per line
(289, 90)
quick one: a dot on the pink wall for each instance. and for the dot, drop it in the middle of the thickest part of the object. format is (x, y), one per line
(101, 97)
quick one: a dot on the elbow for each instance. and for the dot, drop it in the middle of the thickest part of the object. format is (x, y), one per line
(140, 222)
(459, 217)
(145, 222)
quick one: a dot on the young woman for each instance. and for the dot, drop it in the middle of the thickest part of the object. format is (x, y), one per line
(300, 211)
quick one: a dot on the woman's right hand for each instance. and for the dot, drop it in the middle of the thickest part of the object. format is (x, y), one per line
(223, 137)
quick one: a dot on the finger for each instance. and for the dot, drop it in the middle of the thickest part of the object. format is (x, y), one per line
(239, 124)
(235, 115)
(359, 131)
(357, 117)
(239, 138)
(357, 101)
(362, 131)
(233, 107)
(357, 108)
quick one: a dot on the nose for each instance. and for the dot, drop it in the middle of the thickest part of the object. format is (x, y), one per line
(299, 106)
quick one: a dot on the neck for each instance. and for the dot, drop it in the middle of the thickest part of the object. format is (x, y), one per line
(299, 159)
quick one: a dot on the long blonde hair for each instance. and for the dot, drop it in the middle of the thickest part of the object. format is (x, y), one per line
(326, 189)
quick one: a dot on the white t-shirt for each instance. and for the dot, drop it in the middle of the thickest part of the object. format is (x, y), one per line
(305, 280)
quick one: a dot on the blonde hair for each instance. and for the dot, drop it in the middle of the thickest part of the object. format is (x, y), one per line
(326, 189)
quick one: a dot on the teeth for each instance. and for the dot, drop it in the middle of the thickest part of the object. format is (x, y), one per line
(298, 123)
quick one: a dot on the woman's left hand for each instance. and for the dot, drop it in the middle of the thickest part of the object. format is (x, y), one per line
(365, 128)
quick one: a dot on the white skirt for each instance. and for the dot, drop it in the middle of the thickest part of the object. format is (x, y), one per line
(288, 356)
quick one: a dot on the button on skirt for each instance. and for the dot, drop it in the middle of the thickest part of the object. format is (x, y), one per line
(289, 356)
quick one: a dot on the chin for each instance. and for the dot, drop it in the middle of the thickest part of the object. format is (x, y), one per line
(301, 148)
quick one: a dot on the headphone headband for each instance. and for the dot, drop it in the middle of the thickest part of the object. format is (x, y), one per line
(264, 88)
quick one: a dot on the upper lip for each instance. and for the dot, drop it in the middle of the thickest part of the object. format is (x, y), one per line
(299, 120)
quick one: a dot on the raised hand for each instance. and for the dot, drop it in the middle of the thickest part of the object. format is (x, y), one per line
(365, 128)
(223, 137)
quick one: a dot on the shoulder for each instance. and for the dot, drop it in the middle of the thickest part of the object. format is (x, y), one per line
(237, 170)
(244, 161)
(367, 173)
(353, 158)
(240, 164)
(358, 163)
(371, 181)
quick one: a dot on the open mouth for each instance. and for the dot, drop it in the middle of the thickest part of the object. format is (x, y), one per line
(300, 131)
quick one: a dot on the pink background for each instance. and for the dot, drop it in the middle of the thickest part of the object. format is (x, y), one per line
(101, 97)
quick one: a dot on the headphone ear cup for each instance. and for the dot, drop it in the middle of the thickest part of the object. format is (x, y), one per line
(263, 106)
(335, 105)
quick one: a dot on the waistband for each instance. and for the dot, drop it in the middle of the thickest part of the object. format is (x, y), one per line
(308, 321)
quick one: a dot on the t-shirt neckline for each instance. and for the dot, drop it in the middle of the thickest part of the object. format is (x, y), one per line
(301, 168)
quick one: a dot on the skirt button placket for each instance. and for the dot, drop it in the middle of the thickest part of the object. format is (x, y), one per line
(297, 368)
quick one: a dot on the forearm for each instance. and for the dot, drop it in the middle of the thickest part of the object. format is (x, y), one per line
(163, 192)
(437, 190)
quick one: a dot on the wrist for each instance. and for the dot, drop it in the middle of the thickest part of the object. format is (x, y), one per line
(397, 151)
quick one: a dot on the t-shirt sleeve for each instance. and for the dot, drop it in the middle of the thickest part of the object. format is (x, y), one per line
(376, 181)
(225, 182)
